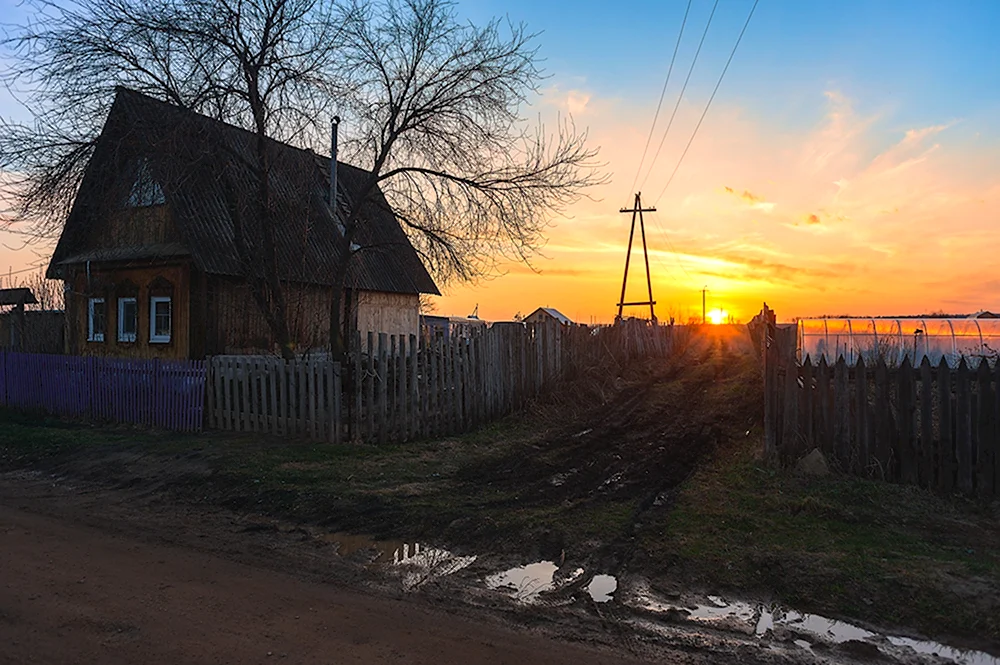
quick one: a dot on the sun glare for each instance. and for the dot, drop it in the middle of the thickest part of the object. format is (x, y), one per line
(718, 316)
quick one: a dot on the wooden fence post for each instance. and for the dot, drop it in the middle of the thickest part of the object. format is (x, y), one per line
(985, 427)
(382, 379)
(946, 449)
(963, 426)
(842, 414)
(861, 416)
(906, 408)
(927, 443)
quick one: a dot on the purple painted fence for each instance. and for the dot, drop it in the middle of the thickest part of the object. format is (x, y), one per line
(169, 394)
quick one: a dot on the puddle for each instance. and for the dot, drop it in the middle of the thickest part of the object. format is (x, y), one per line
(943, 651)
(528, 581)
(758, 620)
(413, 563)
(602, 588)
(525, 581)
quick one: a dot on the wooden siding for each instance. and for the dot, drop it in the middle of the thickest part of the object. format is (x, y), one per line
(235, 325)
(389, 313)
(111, 282)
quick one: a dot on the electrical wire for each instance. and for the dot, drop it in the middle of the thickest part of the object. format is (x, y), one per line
(709, 104)
(663, 92)
(680, 97)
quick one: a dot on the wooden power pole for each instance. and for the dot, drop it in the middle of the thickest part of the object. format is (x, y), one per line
(637, 211)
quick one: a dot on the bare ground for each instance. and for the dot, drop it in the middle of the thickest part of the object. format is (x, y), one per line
(621, 474)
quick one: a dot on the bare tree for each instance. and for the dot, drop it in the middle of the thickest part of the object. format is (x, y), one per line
(433, 108)
(435, 105)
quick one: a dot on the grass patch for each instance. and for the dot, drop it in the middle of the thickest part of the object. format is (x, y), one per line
(843, 546)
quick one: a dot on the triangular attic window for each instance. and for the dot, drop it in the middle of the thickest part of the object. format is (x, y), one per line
(145, 190)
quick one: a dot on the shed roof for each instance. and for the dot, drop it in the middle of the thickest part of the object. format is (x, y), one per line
(204, 167)
(18, 296)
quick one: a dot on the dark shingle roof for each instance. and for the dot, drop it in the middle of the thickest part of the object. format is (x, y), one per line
(204, 166)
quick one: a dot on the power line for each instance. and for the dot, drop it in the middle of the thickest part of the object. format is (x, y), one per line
(709, 104)
(662, 94)
(680, 97)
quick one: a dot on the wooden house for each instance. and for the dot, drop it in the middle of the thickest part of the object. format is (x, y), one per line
(548, 315)
(149, 257)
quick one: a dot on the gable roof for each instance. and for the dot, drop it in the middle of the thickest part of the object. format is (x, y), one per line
(204, 167)
(554, 313)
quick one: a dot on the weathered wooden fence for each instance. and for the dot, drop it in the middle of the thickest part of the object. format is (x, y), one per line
(932, 425)
(406, 387)
(159, 393)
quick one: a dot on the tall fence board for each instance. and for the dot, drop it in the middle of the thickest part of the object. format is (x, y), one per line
(169, 394)
(931, 425)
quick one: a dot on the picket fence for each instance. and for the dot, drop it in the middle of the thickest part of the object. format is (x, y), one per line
(930, 425)
(400, 388)
(167, 394)
(397, 388)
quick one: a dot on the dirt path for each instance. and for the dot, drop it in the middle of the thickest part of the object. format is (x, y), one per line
(75, 594)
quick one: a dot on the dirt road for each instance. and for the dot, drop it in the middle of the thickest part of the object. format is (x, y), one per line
(74, 594)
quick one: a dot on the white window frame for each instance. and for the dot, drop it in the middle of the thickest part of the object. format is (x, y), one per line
(92, 304)
(122, 335)
(153, 337)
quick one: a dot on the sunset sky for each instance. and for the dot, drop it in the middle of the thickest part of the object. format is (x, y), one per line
(850, 162)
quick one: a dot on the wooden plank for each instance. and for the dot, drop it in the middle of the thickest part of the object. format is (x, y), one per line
(311, 390)
(274, 423)
(863, 445)
(842, 414)
(946, 437)
(413, 412)
(337, 414)
(906, 409)
(369, 405)
(398, 386)
(391, 388)
(963, 427)
(244, 378)
(356, 390)
(883, 446)
(824, 413)
(926, 475)
(425, 389)
(383, 385)
(433, 421)
(227, 388)
(986, 437)
(996, 430)
(287, 403)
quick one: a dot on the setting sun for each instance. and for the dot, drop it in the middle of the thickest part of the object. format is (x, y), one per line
(718, 316)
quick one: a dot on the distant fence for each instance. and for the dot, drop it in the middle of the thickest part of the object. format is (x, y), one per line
(159, 393)
(407, 387)
(931, 425)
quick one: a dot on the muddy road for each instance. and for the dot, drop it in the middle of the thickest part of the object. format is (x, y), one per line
(92, 575)
(75, 594)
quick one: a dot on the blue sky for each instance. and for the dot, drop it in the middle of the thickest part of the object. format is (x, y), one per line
(852, 146)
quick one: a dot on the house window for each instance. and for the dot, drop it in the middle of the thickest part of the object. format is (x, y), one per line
(96, 320)
(128, 319)
(159, 319)
(145, 190)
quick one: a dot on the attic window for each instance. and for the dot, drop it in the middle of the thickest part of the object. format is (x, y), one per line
(145, 190)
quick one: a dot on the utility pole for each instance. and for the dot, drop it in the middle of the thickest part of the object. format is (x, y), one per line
(703, 318)
(637, 211)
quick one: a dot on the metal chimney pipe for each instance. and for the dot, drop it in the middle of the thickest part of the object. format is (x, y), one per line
(333, 169)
